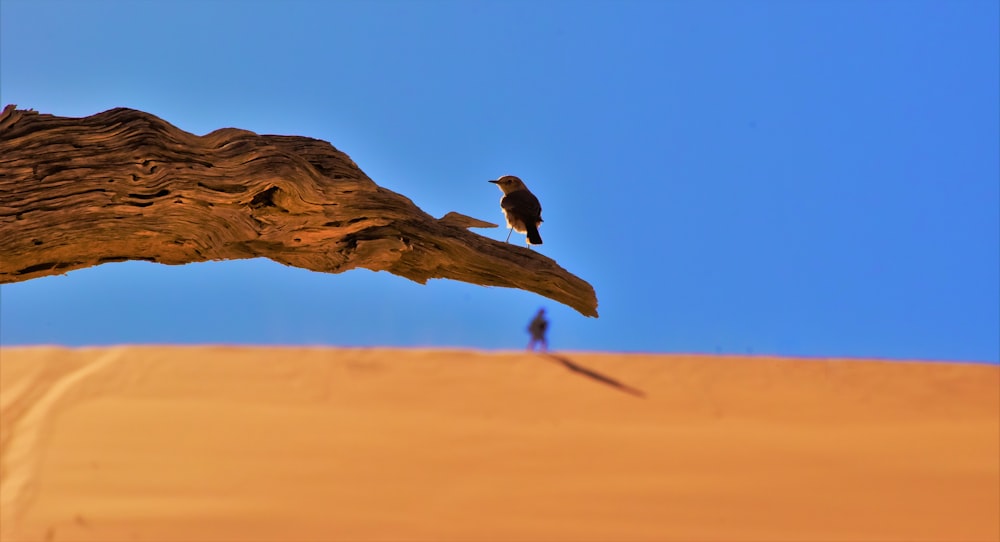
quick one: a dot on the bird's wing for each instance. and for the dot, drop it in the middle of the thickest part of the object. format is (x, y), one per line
(522, 201)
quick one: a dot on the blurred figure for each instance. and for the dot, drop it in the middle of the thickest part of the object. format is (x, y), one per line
(537, 328)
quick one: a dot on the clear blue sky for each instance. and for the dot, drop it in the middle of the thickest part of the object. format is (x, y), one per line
(817, 178)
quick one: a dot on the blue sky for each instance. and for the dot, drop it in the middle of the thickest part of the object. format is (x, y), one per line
(813, 178)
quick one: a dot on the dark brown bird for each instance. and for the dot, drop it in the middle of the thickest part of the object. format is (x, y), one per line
(520, 207)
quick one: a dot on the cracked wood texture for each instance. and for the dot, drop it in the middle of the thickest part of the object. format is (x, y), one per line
(126, 185)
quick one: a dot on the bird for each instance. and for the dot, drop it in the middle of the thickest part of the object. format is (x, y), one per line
(520, 207)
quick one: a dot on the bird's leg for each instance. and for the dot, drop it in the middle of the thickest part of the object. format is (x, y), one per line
(507, 240)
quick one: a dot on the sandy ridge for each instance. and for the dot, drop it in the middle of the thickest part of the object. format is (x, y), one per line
(26, 413)
(238, 443)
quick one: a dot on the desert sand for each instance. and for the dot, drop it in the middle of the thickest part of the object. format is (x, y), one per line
(231, 444)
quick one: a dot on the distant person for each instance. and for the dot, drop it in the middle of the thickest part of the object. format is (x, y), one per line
(537, 328)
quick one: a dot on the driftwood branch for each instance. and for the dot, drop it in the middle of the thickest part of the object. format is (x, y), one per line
(126, 185)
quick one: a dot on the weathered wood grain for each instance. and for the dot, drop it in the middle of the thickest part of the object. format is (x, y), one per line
(126, 185)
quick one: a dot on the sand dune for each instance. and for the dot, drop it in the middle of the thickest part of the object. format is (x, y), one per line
(231, 444)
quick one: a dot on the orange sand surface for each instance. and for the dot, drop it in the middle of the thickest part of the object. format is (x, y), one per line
(231, 444)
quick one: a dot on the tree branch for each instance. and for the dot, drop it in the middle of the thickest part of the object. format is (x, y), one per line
(126, 185)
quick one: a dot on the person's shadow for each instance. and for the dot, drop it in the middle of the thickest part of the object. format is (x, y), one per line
(589, 373)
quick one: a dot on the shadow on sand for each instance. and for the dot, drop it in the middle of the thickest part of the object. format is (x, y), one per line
(595, 375)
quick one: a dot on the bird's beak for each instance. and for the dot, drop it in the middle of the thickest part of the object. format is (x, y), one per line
(494, 182)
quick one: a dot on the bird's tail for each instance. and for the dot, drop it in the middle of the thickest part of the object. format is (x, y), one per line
(533, 237)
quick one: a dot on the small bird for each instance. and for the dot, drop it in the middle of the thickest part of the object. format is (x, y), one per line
(520, 207)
